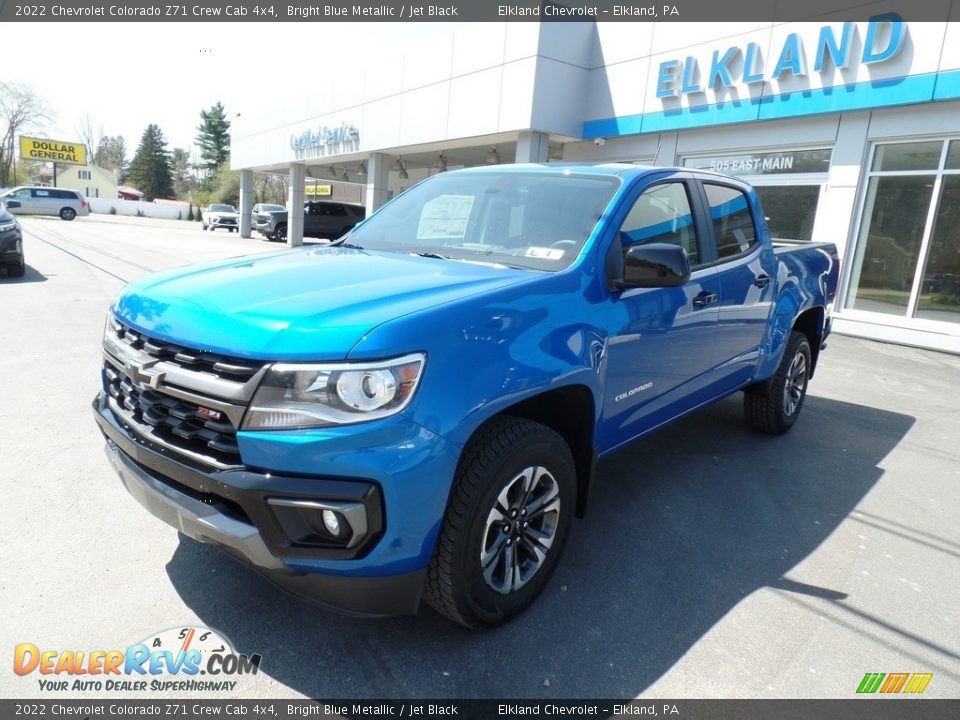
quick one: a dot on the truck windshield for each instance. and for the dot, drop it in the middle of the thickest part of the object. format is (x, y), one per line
(536, 220)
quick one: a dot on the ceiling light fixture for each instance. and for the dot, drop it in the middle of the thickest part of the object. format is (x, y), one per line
(332, 172)
(363, 168)
(398, 164)
(441, 165)
(493, 157)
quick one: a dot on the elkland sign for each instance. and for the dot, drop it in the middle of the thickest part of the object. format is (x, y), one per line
(69, 153)
(882, 41)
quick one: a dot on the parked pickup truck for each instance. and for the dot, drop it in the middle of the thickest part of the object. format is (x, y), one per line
(417, 411)
(321, 219)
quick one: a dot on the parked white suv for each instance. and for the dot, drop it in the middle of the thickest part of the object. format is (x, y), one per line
(220, 216)
(68, 204)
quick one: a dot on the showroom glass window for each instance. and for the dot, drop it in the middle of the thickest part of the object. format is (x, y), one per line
(907, 261)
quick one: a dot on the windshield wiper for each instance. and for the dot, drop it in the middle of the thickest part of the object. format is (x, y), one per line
(344, 244)
(435, 256)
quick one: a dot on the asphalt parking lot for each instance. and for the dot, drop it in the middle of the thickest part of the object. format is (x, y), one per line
(714, 562)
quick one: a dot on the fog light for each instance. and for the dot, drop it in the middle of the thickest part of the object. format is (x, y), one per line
(331, 522)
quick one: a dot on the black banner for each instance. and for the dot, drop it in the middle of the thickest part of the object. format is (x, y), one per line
(461, 10)
(873, 708)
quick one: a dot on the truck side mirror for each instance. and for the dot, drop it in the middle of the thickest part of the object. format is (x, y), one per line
(655, 265)
(12, 204)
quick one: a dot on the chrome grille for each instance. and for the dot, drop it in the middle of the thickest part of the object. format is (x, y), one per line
(190, 401)
(220, 365)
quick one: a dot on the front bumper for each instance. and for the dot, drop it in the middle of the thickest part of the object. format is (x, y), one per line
(231, 510)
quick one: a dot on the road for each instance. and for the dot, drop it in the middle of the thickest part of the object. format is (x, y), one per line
(713, 562)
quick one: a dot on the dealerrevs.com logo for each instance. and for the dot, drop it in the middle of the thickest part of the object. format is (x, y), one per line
(894, 683)
(182, 659)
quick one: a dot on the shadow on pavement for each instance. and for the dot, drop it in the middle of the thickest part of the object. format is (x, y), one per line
(32, 275)
(681, 527)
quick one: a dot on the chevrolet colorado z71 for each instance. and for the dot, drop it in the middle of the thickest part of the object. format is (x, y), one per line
(416, 412)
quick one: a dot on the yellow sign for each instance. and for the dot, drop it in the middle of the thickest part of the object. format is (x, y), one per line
(69, 153)
(318, 190)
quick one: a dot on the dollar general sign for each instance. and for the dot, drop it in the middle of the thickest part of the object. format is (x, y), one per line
(70, 153)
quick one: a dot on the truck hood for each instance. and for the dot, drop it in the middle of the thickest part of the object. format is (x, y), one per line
(309, 304)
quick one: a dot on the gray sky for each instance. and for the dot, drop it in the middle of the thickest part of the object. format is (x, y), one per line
(127, 75)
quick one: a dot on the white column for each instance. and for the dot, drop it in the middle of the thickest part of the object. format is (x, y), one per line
(298, 174)
(533, 147)
(246, 201)
(378, 169)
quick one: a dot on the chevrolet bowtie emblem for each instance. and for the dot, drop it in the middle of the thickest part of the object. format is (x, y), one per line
(142, 375)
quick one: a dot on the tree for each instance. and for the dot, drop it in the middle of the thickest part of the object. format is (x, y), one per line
(184, 180)
(150, 167)
(270, 188)
(213, 137)
(88, 136)
(226, 186)
(111, 154)
(20, 110)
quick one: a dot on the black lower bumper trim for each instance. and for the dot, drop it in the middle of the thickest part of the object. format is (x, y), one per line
(236, 518)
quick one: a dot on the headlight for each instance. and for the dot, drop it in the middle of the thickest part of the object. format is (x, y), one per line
(4, 227)
(294, 395)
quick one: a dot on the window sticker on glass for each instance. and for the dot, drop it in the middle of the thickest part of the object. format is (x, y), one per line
(544, 253)
(445, 218)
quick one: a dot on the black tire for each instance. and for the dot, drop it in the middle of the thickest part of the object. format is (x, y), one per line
(17, 270)
(280, 232)
(67, 213)
(773, 406)
(203, 226)
(510, 463)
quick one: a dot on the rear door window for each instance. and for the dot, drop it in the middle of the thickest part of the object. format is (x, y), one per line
(732, 220)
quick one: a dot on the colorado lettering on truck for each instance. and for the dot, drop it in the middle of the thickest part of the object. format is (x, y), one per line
(416, 411)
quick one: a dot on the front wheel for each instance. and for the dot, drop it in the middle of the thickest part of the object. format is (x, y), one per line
(280, 234)
(773, 406)
(506, 522)
(67, 213)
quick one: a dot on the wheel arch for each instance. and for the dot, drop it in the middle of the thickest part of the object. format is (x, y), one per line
(810, 323)
(570, 411)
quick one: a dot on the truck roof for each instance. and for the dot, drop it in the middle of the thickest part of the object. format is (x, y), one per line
(621, 170)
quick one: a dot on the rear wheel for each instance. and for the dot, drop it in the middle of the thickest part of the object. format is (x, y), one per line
(773, 406)
(67, 213)
(506, 522)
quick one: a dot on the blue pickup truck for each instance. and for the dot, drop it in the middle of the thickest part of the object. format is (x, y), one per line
(416, 411)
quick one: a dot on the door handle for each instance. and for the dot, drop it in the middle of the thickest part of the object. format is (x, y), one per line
(762, 281)
(705, 298)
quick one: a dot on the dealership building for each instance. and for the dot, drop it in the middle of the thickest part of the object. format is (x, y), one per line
(849, 130)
